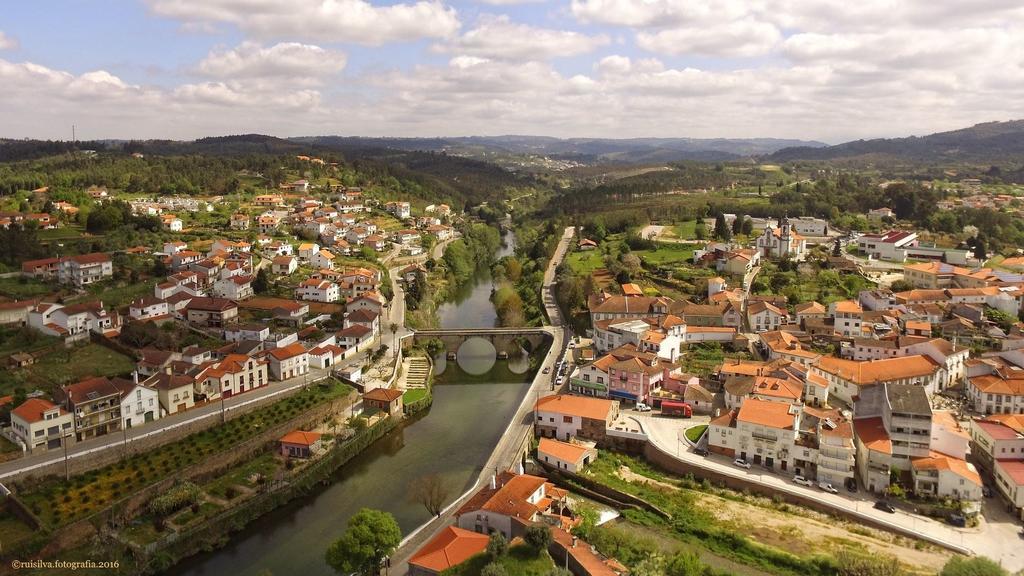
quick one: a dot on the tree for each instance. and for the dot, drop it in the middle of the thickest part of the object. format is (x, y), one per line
(980, 251)
(700, 231)
(974, 566)
(722, 228)
(901, 286)
(430, 491)
(497, 546)
(494, 570)
(837, 248)
(159, 267)
(261, 284)
(684, 564)
(737, 225)
(748, 226)
(538, 537)
(394, 330)
(370, 537)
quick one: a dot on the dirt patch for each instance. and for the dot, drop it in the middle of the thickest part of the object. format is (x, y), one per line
(805, 534)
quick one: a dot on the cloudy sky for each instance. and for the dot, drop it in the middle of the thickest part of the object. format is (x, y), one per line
(831, 70)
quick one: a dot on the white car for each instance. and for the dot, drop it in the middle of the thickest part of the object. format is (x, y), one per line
(740, 462)
(641, 407)
(802, 481)
(828, 487)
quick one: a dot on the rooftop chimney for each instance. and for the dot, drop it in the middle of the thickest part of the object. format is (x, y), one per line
(135, 376)
(494, 483)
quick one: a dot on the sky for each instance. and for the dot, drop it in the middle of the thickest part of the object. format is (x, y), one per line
(829, 70)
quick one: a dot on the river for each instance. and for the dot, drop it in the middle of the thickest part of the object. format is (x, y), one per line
(471, 305)
(474, 400)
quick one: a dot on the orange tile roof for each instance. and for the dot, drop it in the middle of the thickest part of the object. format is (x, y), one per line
(301, 437)
(451, 547)
(289, 351)
(993, 384)
(1013, 421)
(592, 408)
(563, 451)
(766, 413)
(871, 431)
(939, 461)
(31, 410)
(383, 394)
(874, 371)
(508, 497)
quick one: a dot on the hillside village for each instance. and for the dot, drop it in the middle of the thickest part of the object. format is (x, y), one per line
(297, 287)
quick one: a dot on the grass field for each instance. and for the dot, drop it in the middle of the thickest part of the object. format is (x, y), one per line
(413, 395)
(521, 560)
(667, 254)
(685, 230)
(584, 263)
(694, 433)
(66, 365)
(21, 288)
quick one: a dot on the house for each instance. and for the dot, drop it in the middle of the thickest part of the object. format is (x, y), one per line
(441, 232)
(809, 310)
(74, 322)
(42, 425)
(400, 210)
(149, 308)
(764, 316)
(139, 404)
(95, 404)
(292, 311)
(565, 417)
(239, 221)
(781, 241)
(762, 432)
(211, 312)
(20, 360)
(891, 245)
(233, 375)
(268, 200)
(452, 546)
(237, 287)
(176, 391)
(283, 265)
(387, 400)
(268, 223)
(586, 245)
(878, 214)
(370, 301)
(300, 444)
(507, 505)
(250, 331)
(365, 318)
(849, 378)
(288, 361)
(847, 316)
(317, 291)
(997, 437)
(85, 269)
(325, 356)
(45, 268)
(170, 222)
(892, 425)
(567, 456)
(307, 250)
(738, 262)
(323, 259)
(355, 336)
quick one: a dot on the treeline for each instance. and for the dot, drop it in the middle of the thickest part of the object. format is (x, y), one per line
(520, 278)
(476, 248)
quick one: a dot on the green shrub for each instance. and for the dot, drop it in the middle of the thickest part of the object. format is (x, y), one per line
(179, 496)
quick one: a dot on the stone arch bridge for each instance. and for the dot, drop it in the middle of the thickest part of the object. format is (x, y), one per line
(505, 340)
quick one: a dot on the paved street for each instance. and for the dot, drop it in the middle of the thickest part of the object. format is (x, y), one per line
(243, 402)
(993, 538)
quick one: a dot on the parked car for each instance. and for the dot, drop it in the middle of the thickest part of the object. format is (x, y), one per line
(802, 481)
(827, 487)
(851, 485)
(547, 369)
(700, 451)
(741, 463)
(641, 407)
(958, 520)
(885, 507)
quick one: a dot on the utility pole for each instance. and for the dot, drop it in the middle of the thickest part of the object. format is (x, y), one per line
(64, 443)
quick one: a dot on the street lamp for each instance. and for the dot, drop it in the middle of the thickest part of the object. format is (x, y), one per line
(64, 444)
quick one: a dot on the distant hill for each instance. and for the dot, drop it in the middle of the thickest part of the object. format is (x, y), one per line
(988, 142)
(633, 150)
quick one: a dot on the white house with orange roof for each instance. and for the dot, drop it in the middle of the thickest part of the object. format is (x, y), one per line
(317, 291)
(849, 378)
(288, 361)
(235, 374)
(323, 259)
(764, 316)
(568, 456)
(847, 316)
(564, 417)
(509, 504)
(762, 432)
(41, 425)
(239, 221)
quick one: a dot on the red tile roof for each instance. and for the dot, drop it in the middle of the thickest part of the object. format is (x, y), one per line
(32, 410)
(301, 438)
(452, 546)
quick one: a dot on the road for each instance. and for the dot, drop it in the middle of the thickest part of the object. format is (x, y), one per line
(991, 539)
(89, 447)
(507, 452)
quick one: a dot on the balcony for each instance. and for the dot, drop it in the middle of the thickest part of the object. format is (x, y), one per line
(764, 437)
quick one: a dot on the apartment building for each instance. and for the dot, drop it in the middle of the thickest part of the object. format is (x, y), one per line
(85, 269)
(762, 432)
(564, 417)
(95, 404)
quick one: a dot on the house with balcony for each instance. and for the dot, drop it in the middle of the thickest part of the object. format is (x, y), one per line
(95, 404)
(211, 312)
(288, 361)
(149, 308)
(765, 316)
(283, 265)
(892, 426)
(251, 331)
(74, 322)
(42, 425)
(235, 374)
(762, 432)
(85, 269)
(239, 221)
(317, 291)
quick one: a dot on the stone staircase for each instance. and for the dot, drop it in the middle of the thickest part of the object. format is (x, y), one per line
(415, 372)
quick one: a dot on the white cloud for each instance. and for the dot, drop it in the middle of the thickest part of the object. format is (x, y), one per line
(499, 37)
(354, 21)
(7, 42)
(745, 37)
(302, 63)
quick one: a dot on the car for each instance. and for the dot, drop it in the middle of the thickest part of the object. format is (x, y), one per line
(740, 462)
(802, 481)
(827, 487)
(958, 520)
(700, 451)
(641, 407)
(986, 491)
(851, 485)
(547, 369)
(884, 506)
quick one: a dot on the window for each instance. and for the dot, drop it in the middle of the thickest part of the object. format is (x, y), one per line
(567, 419)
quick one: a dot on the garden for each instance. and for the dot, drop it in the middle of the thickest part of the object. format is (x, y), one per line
(56, 501)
